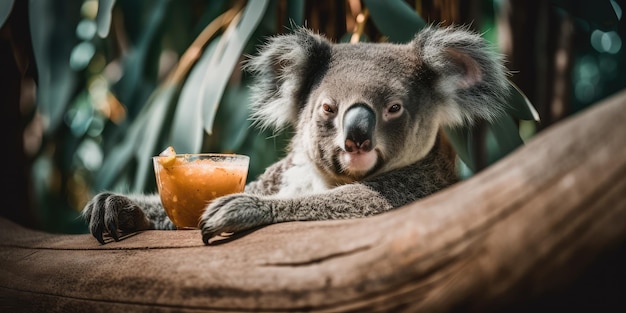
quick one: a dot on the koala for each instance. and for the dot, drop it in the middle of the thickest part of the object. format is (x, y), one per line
(366, 122)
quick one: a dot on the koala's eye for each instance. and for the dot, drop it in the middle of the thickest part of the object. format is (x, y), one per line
(392, 111)
(328, 108)
(394, 108)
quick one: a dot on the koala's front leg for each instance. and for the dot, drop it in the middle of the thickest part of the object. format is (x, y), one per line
(240, 212)
(108, 212)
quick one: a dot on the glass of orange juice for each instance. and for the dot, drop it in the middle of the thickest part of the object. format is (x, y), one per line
(187, 183)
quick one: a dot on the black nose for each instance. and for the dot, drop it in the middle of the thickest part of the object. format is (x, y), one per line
(358, 128)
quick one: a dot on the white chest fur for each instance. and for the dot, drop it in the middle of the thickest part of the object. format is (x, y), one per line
(301, 179)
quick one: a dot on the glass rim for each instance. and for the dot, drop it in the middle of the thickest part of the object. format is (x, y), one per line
(187, 155)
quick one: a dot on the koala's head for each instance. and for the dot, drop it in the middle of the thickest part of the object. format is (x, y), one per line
(362, 109)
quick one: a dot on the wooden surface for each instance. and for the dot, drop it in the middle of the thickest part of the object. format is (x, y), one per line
(523, 227)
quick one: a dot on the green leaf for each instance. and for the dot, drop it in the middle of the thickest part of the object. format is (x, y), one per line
(158, 108)
(519, 106)
(103, 17)
(395, 18)
(52, 49)
(213, 9)
(119, 157)
(80, 115)
(187, 128)
(599, 14)
(128, 89)
(295, 12)
(6, 6)
(225, 58)
(266, 148)
(140, 143)
(461, 140)
(501, 138)
(506, 138)
(234, 118)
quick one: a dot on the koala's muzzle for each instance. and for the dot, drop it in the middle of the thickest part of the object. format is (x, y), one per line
(358, 128)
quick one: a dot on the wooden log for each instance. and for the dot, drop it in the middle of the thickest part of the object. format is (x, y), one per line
(525, 226)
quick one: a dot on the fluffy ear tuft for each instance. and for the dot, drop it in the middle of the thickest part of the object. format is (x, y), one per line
(285, 70)
(472, 76)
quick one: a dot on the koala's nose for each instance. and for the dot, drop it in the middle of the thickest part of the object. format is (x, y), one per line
(358, 128)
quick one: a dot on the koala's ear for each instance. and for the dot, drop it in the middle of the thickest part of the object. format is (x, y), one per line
(285, 69)
(471, 76)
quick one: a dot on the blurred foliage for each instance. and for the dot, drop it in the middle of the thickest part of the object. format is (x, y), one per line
(119, 81)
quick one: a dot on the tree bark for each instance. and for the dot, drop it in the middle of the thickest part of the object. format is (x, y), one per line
(16, 66)
(525, 227)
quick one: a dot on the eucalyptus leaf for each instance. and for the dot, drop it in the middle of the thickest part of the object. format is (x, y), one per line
(506, 138)
(213, 9)
(80, 115)
(501, 138)
(52, 48)
(599, 14)
(103, 17)
(129, 87)
(6, 6)
(120, 156)
(234, 118)
(139, 144)
(265, 148)
(519, 106)
(187, 128)
(295, 12)
(461, 140)
(395, 18)
(159, 106)
(234, 43)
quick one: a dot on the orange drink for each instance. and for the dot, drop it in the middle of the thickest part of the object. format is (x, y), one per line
(187, 183)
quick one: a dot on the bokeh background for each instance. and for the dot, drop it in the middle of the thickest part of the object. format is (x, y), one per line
(91, 89)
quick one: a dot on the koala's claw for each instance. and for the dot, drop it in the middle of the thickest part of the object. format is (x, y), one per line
(107, 213)
(207, 235)
(234, 213)
(97, 233)
(112, 230)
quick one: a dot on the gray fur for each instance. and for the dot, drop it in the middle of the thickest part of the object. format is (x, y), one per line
(445, 76)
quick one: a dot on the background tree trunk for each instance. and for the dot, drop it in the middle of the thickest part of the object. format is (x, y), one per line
(538, 44)
(16, 66)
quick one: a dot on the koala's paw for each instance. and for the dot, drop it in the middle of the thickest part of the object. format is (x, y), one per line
(107, 213)
(234, 213)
